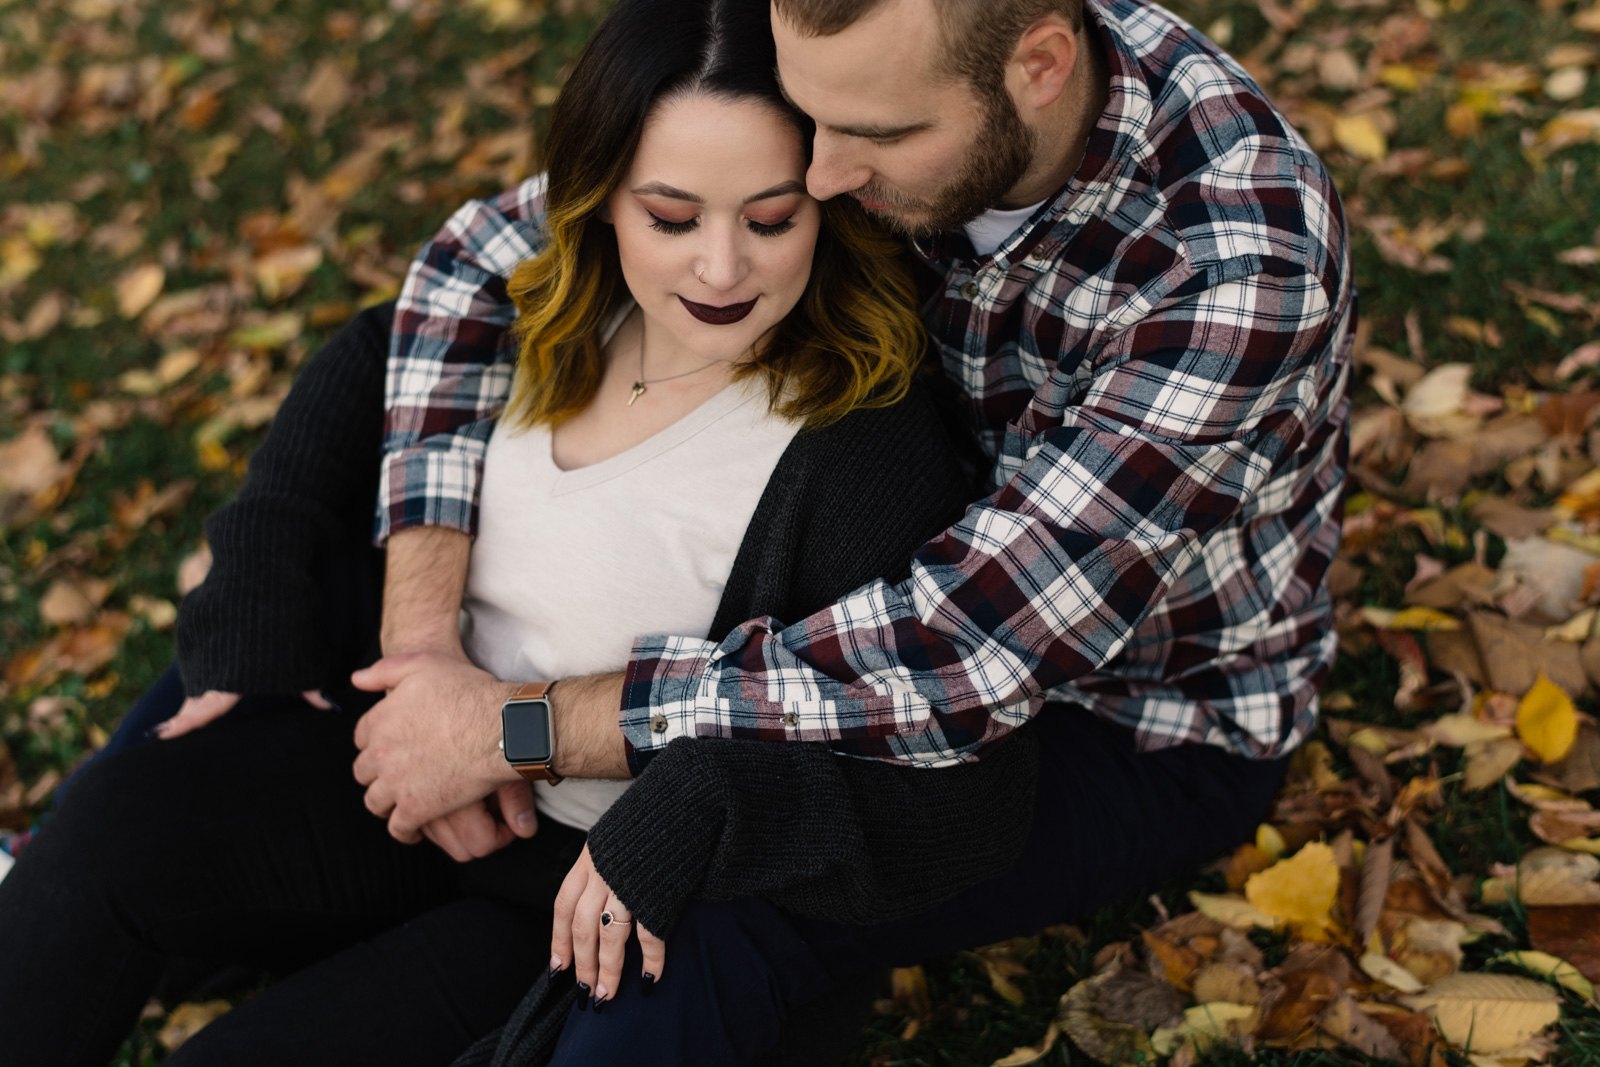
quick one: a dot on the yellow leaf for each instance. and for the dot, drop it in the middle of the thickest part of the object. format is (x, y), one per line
(1360, 136)
(1548, 966)
(1300, 889)
(138, 287)
(1423, 619)
(1546, 720)
(1270, 841)
(1491, 1011)
(1230, 910)
(1401, 76)
(189, 1019)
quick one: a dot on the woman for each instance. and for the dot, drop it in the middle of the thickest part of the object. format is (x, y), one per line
(714, 420)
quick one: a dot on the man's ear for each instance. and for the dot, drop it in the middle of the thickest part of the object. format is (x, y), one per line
(1042, 65)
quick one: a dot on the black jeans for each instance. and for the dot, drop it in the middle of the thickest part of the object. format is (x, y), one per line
(247, 841)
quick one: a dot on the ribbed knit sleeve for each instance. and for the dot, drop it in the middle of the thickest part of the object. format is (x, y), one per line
(256, 624)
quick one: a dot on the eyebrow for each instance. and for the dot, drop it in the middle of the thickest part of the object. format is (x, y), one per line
(671, 193)
(871, 133)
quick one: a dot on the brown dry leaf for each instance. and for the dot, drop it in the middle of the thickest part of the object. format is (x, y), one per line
(1510, 520)
(1428, 948)
(1490, 1011)
(1571, 933)
(138, 287)
(1345, 1020)
(1376, 867)
(1026, 1054)
(1558, 827)
(1135, 997)
(1424, 856)
(1550, 876)
(1300, 889)
(1514, 654)
(1579, 770)
(29, 463)
(1467, 582)
(1413, 666)
(1292, 1008)
(326, 92)
(1546, 720)
(189, 1019)
(1178, 962)
(1223, 981)
(1390, 973)
(73, 602)
(1103, 1038)
(1458, 730)
(1492, 763)
(1246, 860)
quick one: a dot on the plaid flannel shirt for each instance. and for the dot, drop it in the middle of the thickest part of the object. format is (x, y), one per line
(1158, 364)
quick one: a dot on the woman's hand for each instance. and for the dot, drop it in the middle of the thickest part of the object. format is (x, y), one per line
(214, 704)
(586, 938)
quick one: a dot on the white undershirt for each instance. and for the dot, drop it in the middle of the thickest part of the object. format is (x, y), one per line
(989, 231)
(570, 566)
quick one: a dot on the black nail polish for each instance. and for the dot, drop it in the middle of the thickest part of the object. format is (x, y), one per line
(599, 1005)
(646, 984)
(584, 996)
(554, 971)
(152, 733)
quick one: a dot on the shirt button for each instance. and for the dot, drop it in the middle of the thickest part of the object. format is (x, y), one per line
(970, 291)
(1036, 253)
(658, 723)
(791, 719)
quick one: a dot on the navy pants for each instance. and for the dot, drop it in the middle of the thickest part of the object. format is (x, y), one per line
(247, 841)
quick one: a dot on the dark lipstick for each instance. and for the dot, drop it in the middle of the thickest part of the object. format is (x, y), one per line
(723, 316)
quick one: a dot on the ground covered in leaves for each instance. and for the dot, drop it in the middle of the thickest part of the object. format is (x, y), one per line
(197, 192)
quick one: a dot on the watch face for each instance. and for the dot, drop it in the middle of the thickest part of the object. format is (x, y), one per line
(525, 726)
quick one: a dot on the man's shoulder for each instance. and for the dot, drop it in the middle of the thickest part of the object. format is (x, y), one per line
(1233, 178)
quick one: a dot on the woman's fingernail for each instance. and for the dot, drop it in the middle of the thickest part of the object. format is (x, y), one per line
(584, 997)
(647, 984)
(555, 965)
(154, 731)
(599, 1005)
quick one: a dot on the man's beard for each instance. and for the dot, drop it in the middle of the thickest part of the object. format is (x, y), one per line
(1000, 155)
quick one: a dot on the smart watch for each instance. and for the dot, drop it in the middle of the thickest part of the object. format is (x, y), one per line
(527, 732)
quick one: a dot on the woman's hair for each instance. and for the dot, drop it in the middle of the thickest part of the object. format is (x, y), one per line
(854, 338)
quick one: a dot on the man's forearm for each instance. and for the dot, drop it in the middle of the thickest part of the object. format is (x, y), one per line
(425, 577)
(588, 735)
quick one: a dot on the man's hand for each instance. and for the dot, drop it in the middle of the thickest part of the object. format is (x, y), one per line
(432, 745)
(473, 832)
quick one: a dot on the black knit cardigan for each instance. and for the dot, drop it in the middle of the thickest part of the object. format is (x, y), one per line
(828, 837)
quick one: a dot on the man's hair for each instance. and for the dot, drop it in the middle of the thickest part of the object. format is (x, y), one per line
(979, 35)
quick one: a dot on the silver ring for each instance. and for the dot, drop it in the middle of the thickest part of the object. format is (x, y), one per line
(606, 919)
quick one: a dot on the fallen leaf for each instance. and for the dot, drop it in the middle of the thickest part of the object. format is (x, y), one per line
(1300, 889)
(1208, 1023)
(1547, 966)
(1390, 973)
(138, 287)
(1222, 981)
(1230, 910)
(1103, 1038)
(1026, 1054)
(1579, 770)
(909, 987)
(189, 1019)
(66, 603)
(1546, 720)
(1457, 730)
(1488, 1012)
(1345, 1020)
(1492, 763)
(1360, 136)
(1570, 933)
(1549, 876)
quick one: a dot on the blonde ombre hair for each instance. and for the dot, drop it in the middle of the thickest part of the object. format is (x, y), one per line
(854, 339)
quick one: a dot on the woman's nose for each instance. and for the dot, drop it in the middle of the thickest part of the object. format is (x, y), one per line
(725, 264)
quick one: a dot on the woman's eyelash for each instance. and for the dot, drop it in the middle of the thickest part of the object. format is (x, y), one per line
(773, 229)
(662, 225)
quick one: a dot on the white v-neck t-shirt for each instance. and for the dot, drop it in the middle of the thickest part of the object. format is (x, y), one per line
(569, 567)
(989, 231)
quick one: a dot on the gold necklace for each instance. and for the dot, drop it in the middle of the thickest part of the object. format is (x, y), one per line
(638, 389)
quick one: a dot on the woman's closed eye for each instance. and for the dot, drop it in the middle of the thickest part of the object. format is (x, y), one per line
(761, 229)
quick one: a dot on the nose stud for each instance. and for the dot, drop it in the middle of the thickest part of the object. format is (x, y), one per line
(702, 275)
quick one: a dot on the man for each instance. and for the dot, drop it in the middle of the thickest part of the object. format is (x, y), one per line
(1137, 277)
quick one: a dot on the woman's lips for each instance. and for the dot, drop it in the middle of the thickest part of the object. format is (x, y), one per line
(722, 316)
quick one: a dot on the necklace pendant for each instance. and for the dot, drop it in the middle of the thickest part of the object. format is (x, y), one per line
(636, 393)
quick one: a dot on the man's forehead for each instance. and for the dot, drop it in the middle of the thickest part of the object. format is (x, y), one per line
(886, 58)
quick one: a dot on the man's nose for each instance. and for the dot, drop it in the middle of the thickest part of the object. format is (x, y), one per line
(832, 171)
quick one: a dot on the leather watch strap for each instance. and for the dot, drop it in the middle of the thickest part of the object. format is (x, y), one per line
(535, 772)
